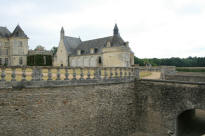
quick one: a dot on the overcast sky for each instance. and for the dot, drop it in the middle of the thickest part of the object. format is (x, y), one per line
(154, 28)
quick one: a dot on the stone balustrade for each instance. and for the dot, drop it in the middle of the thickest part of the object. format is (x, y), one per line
(21, 77)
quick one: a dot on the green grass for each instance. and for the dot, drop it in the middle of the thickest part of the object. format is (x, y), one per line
(190, 69)
(145, 74)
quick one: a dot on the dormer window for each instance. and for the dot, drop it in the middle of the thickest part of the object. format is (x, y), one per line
(82, 52)
(108, 44)
(78, 52)
(95, 50)
(91, 51)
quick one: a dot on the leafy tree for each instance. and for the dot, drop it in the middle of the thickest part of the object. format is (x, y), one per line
(54, 50)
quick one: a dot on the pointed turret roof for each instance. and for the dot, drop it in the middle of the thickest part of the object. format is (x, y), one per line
(62, 29)
(115, 30)
(18, 32)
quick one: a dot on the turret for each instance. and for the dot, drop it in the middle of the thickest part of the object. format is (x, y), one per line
(116, 30)
(62, 33)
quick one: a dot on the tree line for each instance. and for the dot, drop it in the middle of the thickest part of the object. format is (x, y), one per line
(174, 61)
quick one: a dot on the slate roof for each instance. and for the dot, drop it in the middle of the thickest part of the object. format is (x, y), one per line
(100, 43)
(4, 32)
(71, 43)
(18, 32)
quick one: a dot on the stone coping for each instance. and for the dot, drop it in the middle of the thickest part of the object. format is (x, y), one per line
(172, 81)
(62, 83)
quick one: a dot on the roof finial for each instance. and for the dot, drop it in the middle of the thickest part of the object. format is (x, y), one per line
(62, 33)
(116, 30)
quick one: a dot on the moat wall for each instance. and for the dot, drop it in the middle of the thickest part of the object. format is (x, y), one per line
(94, 110)
(149, 107)
(159, 103)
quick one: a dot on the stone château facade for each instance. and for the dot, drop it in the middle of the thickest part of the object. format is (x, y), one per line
(110, 51)
(13, 47)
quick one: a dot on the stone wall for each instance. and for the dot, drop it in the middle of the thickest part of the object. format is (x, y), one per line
(91, 60)
(94, 110)
(185, 77)
(159, 103)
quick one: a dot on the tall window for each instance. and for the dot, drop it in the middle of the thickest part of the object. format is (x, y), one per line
(7, 52)
(99, 60)
(20, 43)
(20, 60)
(0, 61)
(6, 61)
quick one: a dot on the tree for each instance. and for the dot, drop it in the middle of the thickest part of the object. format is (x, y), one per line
(54, 50)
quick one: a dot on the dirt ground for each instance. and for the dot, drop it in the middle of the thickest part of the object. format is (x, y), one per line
(154, 75)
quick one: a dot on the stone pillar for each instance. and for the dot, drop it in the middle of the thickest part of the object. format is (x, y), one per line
(81, 74)
(74, 74)
(88, 74)
(23, 74)
(3, 74)
(66, 74)
(49, 74)
(58, 74)
(36, 74)
(13, 74)
(116, 74)
(105, 73)
(120, 72)
(111, 74)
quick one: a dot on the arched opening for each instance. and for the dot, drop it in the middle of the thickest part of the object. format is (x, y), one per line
(191, 123)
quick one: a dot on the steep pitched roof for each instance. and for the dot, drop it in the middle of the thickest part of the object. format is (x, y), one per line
(95, 43)
(100, 43)
(4, 32)
(71, 43)
(18, 32)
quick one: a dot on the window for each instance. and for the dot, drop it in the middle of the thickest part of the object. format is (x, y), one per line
(96, 50)
(20, 60)
(0, 61)
(91, 51)
(78, 52)
(20, 43)
(82, 52)
(6, 61)
(99, 60)
(0, 44)
(7, 52)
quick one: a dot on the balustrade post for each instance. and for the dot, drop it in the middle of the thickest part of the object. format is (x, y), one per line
(74, 74)
(105, 73)
(66, 74)
(13, 74)
(137, 73)
(58, 74)
(129, 73)
(49, 74)
(95, 73)
(3, 74)
(81, 74)
(99, 73)
(36, 74)
(116, 74)
(23, 74)
(88, 74)
(111, 74)
(120, 72)
(125, 75)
